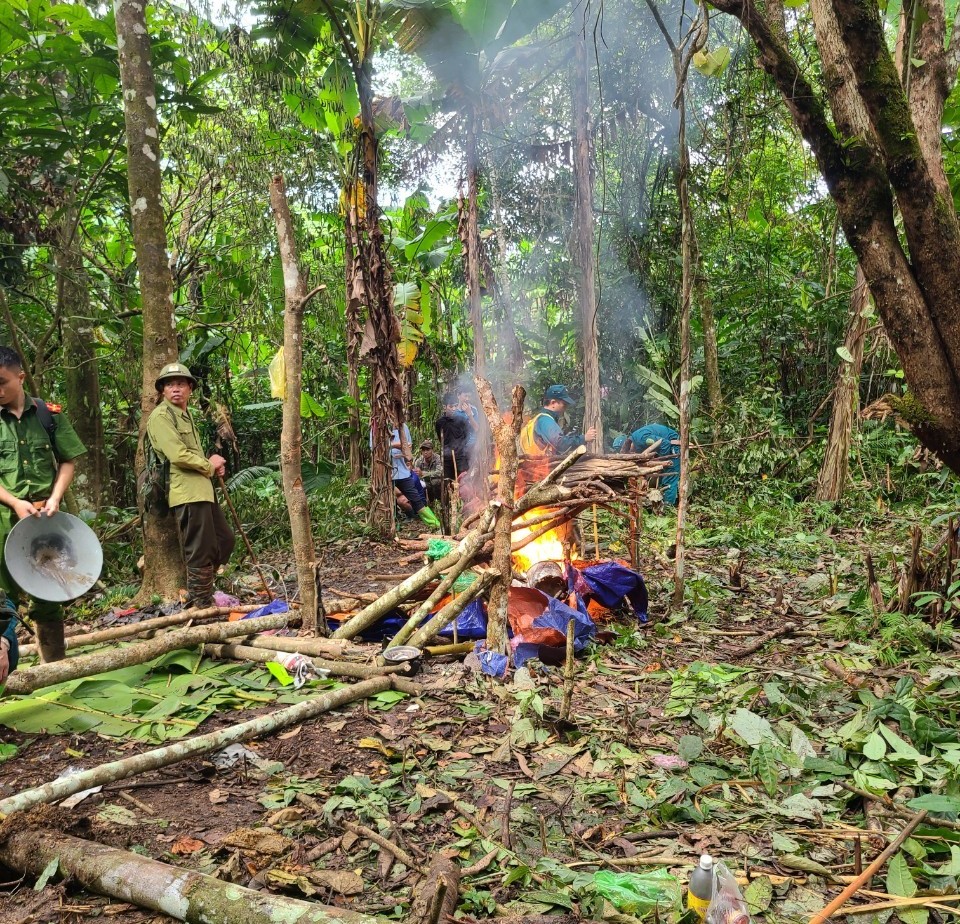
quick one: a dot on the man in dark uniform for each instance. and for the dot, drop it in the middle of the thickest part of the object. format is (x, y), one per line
(38, 447)
(206, 538)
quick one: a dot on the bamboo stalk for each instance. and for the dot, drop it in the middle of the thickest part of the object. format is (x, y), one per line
(313, 647)
(180, 893)
(203, 744)
(98, 662)
(868, 873)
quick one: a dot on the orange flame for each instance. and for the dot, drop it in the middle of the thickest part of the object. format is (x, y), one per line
(548, 547)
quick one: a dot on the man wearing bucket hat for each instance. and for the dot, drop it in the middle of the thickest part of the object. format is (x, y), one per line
(542, 434)
(206, 538)
(38, 447)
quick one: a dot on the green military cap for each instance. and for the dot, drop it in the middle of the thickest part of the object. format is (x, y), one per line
(172, 371)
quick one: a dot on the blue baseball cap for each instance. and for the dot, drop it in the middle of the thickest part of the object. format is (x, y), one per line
(618, 443)
(558, 393)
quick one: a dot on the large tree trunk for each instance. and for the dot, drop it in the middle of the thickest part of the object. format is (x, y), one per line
(291, 439)
(386, 382)
(471, 244)
(356, 298)
(586, 281)
(846, 398)
(918, 298)
(81, 370)
(163, 565)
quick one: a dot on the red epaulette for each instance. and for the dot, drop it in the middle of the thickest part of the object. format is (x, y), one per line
(53, 408)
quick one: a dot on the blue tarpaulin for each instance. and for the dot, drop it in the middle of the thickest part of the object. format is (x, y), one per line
(269, 609)
(471, 623)
(555, 615)
(610, 583)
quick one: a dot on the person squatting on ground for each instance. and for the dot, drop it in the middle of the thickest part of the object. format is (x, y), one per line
(205, 536)
(429, 468)
(38, 446)
(404, 479)
(669, 479)
(542, 435)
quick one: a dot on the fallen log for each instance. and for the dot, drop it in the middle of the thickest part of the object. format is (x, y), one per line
(98, 662)
(738, 653)
(187, 896)
(313, 647)
(128, 630)
(453, 609)
(191, 747)
(336, 668)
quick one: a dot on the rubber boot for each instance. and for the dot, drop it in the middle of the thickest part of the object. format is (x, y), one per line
(200, 587)
(430, 518)
(50, 640)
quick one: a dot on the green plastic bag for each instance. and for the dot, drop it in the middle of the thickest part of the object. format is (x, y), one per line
(438, 548)
(638, 893)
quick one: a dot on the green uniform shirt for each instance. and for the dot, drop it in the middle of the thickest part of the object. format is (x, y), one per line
(174, 436)
(28, 466)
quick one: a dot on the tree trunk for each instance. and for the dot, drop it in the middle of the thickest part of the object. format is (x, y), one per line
(129, 877)
(917, 298)
(686, 288)
(291, 439)
(386, 383)
(505, 436)
(81, 369)
(355, 301)
(586, 281)
(846, 398)
(471, 242)
(711, 356)
(163, 565)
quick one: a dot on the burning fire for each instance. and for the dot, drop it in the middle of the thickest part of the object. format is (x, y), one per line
(548, 547)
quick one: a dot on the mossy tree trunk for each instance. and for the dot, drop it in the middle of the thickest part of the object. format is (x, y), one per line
(894, 160)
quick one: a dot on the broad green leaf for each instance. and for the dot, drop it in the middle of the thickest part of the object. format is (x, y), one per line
(936, 803)
(758, 895)
(845, 354)
(763, 762)
(690, 747)
(899, 878)
(901, 749)
(875, 747)
(751, 727)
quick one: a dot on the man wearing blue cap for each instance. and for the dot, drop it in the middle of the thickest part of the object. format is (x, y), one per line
(641, 438)
(542, 434)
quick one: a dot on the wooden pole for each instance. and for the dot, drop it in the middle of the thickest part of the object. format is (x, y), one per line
(868, 873)
(98, 662)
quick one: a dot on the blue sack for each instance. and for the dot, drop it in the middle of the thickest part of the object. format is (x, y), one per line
(269, 609)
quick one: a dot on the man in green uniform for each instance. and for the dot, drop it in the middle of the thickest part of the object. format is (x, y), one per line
(38, 447)
(206, 538)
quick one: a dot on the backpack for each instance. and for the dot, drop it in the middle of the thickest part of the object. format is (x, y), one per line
(153, 482)
(48, 421)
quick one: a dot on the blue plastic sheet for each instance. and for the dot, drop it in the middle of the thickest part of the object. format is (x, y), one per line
(269, 609)
(609, 583)
(471, 623)
(492, 663)
(556, 615)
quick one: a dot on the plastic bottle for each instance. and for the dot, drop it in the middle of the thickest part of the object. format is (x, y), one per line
(700, 887)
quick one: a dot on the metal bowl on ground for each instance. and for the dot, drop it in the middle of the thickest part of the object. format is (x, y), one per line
(404, 654)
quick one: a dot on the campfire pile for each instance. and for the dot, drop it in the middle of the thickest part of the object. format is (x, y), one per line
(542, 540)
